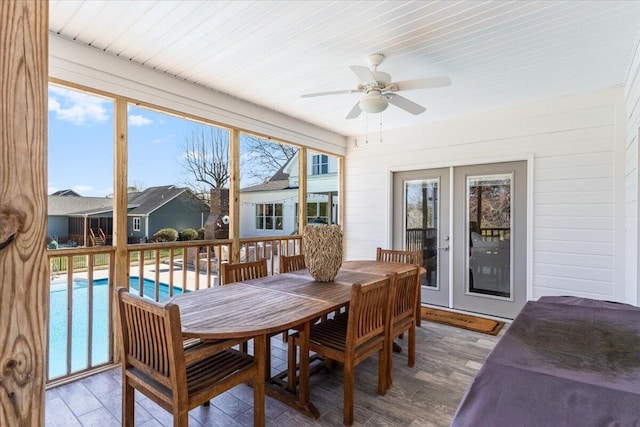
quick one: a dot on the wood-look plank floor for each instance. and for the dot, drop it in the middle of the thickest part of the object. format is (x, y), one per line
(427, 395)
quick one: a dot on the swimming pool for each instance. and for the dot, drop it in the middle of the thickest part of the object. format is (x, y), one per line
(58, 308)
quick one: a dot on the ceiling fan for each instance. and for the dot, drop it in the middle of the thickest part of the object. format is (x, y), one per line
(380, 91)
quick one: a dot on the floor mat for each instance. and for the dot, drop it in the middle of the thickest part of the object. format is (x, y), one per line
(465, 321)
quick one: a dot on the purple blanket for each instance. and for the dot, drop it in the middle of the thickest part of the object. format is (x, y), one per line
(564, 361)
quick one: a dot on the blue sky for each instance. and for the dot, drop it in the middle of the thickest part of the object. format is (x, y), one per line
(81, 129)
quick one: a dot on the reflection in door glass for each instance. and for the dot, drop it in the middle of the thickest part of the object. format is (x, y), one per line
(489, 231)
(421, 224)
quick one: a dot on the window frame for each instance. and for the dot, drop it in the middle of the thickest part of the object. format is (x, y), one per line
(269, 216)
(319, 164)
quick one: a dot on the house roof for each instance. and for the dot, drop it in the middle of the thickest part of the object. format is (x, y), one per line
(69, 205)
(153, 198)
(270, 185)
(279, 181)
(67, 192)
(139, 203)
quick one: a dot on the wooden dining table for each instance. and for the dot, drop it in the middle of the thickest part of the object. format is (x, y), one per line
(264, 306)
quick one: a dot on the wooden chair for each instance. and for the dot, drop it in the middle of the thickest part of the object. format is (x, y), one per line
(292, 263)
(243, 271)
(406, 257)
(353, 337)
(287, 264)
(232, 273)
(178, 379)
(403, 315)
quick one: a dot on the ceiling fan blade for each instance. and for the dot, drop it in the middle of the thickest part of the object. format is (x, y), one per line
(335, 92)
(364, 74)
(355, 111)
(405, 104)
(427, 82)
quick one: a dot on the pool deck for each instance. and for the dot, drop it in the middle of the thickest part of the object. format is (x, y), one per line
(166, 274)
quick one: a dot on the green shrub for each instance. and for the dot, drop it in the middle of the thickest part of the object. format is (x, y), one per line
(188, 234)
(201, 233)
(166, 235)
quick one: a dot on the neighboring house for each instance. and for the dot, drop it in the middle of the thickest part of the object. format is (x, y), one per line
(271, 208)
(85, 219)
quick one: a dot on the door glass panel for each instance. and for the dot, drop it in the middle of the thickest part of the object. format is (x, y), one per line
(489, 234)
(421, 224)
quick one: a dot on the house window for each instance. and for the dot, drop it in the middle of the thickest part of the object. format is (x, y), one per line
(320, 164)
(269, 216)
(136, 224)
(317, 213)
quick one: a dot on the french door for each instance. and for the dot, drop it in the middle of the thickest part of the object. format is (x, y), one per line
(470, 224)
(421, 222)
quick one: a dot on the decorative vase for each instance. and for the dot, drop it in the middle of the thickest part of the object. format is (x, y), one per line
(322, 249)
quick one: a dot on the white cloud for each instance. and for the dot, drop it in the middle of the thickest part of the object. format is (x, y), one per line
(139, 120)
(169, 138)
(52, 189)
(77, 107)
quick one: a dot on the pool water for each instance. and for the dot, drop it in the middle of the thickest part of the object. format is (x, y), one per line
(80, 322)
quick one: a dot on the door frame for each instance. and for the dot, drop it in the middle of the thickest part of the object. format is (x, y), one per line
(528, 157)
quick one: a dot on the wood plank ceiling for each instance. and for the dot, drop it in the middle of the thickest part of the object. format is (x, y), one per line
(497, 53)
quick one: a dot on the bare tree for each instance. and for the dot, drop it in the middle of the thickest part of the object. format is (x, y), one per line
(266, 157)
(206, 158)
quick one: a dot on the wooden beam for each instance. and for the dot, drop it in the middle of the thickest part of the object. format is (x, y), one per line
(24, 287)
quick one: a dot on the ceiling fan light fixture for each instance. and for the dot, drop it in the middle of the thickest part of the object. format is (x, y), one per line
(373, 102)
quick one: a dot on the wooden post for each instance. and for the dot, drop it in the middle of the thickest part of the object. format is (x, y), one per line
(302, 189)
(24, 297)
(234, 195)
(121, 259)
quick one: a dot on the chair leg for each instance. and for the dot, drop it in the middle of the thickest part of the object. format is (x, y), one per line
(181, 420)
(384, 370)
(412, 347)
(347, 417)
(128, 402)
(418, 306)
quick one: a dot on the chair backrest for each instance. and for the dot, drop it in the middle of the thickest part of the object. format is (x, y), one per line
(406, 257)
(405, 294)
(151, 337)
(369, 308)
(243, 271)
(291, 263)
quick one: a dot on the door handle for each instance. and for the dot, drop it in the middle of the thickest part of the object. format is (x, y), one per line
(443, 248)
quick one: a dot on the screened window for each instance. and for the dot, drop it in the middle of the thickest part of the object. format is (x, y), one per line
(269, 216)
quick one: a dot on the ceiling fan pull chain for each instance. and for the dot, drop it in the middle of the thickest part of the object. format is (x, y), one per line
(366, 129)
(380, 128)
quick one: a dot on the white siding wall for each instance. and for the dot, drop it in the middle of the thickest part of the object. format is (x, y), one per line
(248, 202)
(632, 92)
(576, 147)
